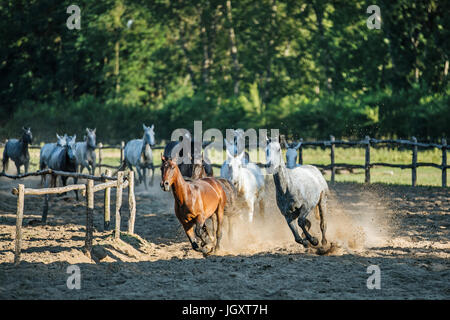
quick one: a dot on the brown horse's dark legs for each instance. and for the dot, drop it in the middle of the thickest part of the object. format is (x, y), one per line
(189, 230)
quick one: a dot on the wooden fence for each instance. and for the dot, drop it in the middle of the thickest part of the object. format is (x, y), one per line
(120, 183)
(367, 143)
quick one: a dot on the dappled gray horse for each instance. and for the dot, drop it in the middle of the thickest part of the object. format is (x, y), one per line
(291, 155)
(299, 191)
(138, 153)
(17, 150)
(46, 152)
(63, 159)
(85, 152)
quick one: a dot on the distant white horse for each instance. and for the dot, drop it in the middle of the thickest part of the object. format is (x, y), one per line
(85, 152)
(138, 153)
(291, 155)
(248, 180)
(299, 192)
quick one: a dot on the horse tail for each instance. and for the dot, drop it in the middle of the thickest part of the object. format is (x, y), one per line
(231, 194)
(122, 167)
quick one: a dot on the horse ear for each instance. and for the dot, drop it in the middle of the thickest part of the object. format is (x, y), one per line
(74, 137)
(143, 126)
(163, 159)
(58, 137)
(87, 130)
(298, 145)
(229, 155)
(152, 127)
(95, 129)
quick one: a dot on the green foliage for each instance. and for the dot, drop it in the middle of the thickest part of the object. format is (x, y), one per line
(309, 68)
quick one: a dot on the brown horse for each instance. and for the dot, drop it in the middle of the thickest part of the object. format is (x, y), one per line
(195, 202)
(233, 204)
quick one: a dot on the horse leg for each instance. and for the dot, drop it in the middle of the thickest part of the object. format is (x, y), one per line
(322, 213)
(93, 168)
(17, 167)
(153, 173)
(5, 160)
(26, 164)
(220, 211)
(144, 174)
(251, 209)
(262, 212)
(302, 224)
(75, 181)
(189, 230)
(291, 219)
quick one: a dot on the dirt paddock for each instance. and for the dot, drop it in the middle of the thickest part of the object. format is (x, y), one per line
(403, 230)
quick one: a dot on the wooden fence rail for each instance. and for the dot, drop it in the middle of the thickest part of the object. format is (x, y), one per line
(367, 143)
(120, 183)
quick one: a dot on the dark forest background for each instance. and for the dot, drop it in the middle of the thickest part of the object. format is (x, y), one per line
(310, 68)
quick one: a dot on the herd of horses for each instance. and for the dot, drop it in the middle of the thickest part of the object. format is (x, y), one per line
(204, 204)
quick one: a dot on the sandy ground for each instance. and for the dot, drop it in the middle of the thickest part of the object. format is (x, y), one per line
(403, 230)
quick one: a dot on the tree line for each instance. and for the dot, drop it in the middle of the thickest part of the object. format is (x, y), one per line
(308, 67)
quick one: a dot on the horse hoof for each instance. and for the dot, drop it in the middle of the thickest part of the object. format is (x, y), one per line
(314, 241)
(302, 242)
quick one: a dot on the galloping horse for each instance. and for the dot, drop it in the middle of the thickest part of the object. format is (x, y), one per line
(195, 201)
(299, 191)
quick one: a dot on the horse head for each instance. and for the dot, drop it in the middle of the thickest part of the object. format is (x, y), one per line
(168, 173)
(91, 138)
(70, 145)
(61, 141)
(149, 135)
(273, 156)
(27, 136)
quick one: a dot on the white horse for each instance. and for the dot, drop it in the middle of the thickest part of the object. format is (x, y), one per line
(299, 192)
(247, 179)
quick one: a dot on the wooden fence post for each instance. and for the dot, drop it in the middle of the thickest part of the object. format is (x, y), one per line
(107, 205)
(100, 146)
(131, 202)
(367, 163)
(19, 218)
(333, 169)
(414, 162)
(300, 152)
(118, 202)
(444, 162)
(46, 198)
(89, 214)
(122, 147)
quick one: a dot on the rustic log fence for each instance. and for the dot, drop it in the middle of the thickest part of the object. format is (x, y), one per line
(107, 182)
(369, 143)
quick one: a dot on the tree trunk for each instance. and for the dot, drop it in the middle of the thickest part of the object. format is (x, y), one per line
(233, 49)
